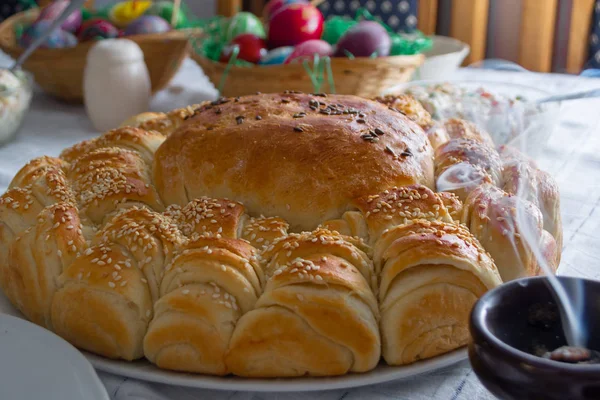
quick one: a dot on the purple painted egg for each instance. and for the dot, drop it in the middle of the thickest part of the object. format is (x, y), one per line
(147, 24)
(97, 28)
(53, 11)
(308, 49)
(58, 39)
(363, 40)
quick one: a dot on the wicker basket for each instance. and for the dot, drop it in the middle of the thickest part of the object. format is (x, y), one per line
(364, 77)
(59, 72)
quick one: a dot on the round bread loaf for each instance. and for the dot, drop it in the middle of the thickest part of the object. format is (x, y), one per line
(301, 157)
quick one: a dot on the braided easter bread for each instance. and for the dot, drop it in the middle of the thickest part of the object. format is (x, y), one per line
(263, 236)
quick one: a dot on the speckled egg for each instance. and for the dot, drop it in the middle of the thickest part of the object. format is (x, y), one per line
(55, 9)
(58, 39)
(276, 56)
(147, 24)
(240, 23)
(97, 29)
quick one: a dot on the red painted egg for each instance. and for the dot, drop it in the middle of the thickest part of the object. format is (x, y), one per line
(252, 48)
(308, 49)
(274, 6)
(295, 24)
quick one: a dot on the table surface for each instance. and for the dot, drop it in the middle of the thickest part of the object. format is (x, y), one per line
(572, 155)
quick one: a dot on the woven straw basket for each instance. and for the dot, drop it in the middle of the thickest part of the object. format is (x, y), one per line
(364, 77)
(59, 72)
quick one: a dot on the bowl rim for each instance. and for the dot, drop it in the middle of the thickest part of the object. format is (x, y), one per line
(26, 83)
(470, 82)
(477, 324)
(459, 46)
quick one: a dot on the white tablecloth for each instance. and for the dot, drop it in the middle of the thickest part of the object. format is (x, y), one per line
(573, 156)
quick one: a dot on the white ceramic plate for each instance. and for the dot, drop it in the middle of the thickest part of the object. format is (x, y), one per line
(37, 364)
(144, 370)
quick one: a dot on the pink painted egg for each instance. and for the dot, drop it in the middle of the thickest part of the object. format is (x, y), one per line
(308, 49)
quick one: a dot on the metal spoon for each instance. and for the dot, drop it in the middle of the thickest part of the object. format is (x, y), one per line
(73, 5)
(570, 96)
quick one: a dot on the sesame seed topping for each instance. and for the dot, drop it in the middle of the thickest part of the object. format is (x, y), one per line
(111, 284)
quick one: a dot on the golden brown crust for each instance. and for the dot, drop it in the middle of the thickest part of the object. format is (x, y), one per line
(108, 179)
(205, 290)
(144, 118)
(400, 205)
(263, 231)
(141, 141)
(324, 302)
(432, 274)
(225, 151)
(103, 304)
(414, 110)
(188, 253)
(461, 129)
(499, 220)
(207, 216)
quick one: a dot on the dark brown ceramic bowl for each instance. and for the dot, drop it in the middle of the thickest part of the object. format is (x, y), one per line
(519, 319)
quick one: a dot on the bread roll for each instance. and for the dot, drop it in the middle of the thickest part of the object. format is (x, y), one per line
(41, 183)
(144, 143)
(399, 205)
(38, 256)
(206, 289)
(498, 220)
(408, 106)
(461, 129)
(261, 232)
(139, 119)
(432, 274)
(522, 178)
(324, 242)
(104, 303)
(304, 159)
(109, 179)
(414, 110)
(461, 165)
(317, 316)
(207, 216)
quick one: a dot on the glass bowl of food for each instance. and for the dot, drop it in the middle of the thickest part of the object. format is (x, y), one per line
(508, 112)
(15, 97)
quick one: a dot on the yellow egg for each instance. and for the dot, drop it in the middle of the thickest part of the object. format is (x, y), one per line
(124, 13)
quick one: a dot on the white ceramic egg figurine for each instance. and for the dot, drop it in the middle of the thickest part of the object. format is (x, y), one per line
(116, 83)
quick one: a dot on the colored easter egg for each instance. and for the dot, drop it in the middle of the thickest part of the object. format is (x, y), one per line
(97, 28)
(164, 9)
(365, 39)
(308, 49)
(122, 14)
(277, 56)
(295, 24)
(252, 48)
(57, 39)
(242, 22)
(55, 9)
(274, 6)
(147, 24)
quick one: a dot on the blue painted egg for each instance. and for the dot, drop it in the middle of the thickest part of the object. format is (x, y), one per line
(147, 24)
(277, 56)
(58, 39)
(97, 28)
